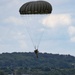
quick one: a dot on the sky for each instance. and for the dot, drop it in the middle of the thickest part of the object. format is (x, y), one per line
(52, 33)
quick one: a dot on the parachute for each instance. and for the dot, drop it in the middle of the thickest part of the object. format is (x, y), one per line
(35, 8)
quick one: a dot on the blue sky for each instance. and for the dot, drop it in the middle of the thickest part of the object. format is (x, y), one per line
(58, 28)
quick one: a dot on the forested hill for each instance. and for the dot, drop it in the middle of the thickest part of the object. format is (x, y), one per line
(29, 60)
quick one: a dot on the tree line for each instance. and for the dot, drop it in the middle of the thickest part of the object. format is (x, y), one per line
(45, 64)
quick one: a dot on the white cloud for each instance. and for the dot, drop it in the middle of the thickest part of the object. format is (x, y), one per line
(71, 30)
(61, 1)
(56, 20)
(20, 37)
(8, 5)
(72, 39)
(14, 20)
(13, 40)
(0, 39)
(41, 30)
(22, 44)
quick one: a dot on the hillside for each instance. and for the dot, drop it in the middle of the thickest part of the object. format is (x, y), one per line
(28, 63)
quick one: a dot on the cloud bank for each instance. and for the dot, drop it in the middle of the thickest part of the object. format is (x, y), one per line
(14, 20)
(71, 31)
(56, 20)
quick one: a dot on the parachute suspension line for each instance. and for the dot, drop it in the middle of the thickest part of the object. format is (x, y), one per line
(36, 44)
(29, 34)
(31, 38)
(40, 39)
(41, 33)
